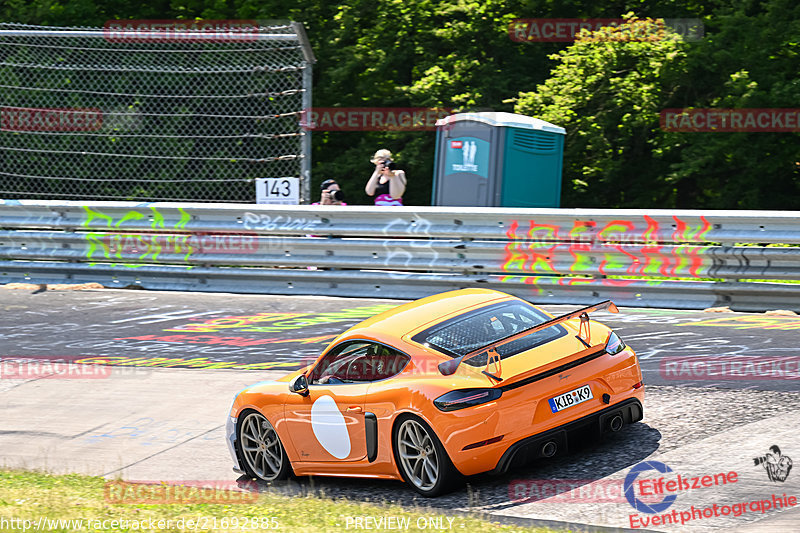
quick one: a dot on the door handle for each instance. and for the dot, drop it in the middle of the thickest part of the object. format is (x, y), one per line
(354, 409)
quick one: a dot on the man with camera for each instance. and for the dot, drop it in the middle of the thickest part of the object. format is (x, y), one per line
(331, 194)
(777, 465)
(387, 183)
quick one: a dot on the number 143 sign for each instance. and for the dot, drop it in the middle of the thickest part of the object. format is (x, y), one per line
(278, 191)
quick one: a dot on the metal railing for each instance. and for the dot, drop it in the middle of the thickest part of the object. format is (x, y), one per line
(656, 258)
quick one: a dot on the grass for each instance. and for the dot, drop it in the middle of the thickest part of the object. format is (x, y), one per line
(28, 495)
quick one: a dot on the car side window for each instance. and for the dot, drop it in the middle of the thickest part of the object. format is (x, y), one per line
(358, 361)
(387, 362)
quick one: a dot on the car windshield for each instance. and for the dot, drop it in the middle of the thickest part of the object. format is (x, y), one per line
(474, 330)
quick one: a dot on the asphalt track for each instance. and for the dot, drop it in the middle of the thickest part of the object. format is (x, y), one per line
(721, 389)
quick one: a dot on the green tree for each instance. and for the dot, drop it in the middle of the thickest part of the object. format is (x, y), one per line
(749, 59)
(607, 90)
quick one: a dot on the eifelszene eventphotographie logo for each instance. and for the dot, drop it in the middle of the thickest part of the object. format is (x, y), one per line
(652, 494)
(630, 494)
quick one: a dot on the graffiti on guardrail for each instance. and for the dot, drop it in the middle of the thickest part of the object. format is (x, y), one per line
(411, 245)
(180, 246)
(155, 217)
(624, 248)
(109, 246)
(619, 254)
(263, 222)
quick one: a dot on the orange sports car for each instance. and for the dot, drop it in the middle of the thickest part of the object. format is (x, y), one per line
(451, 385)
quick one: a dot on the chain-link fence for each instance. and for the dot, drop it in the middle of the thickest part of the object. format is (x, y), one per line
(117, 114)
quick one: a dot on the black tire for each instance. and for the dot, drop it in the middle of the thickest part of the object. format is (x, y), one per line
(260, 449)
(421, 458)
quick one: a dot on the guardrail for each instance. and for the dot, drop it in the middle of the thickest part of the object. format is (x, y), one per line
(654, 258)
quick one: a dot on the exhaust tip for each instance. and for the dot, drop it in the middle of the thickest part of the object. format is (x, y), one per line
(616, 423)
(549, 449)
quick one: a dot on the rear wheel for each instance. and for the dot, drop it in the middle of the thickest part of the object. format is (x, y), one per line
(260, 448)
(421, 458)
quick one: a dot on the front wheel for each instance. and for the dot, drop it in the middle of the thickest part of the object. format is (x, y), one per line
(421, 458)
(260, 448)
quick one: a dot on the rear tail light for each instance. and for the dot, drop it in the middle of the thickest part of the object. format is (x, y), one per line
(463, 398)
(638, 385)
(614, 344)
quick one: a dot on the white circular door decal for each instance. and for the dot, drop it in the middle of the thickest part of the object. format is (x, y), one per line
(329, 427)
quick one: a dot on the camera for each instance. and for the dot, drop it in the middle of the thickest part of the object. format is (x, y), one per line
(388, 163)
(336, 195)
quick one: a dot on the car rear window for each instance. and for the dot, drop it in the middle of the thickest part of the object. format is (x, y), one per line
(474, 330)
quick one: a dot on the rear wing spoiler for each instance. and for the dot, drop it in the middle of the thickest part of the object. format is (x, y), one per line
(448, 368)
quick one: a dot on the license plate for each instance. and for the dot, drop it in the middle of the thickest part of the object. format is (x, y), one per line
(568, 399)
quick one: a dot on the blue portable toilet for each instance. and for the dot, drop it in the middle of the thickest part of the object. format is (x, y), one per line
(497, 159)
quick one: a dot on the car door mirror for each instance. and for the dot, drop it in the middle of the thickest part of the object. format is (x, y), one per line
(299, 385)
